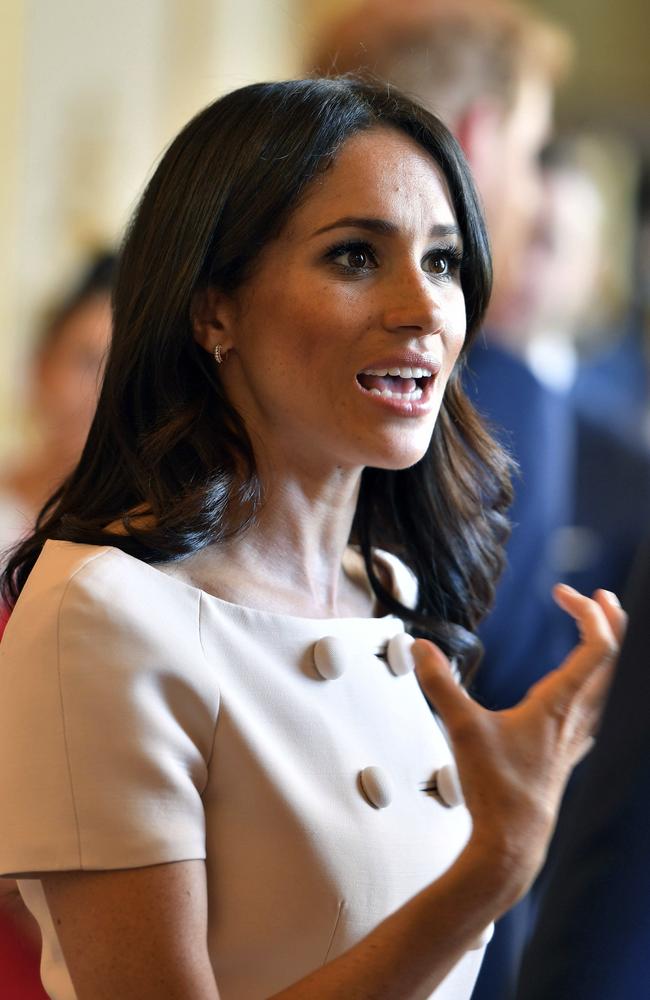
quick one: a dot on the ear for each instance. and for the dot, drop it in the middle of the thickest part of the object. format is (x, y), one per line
(478, 129)
(211, 316)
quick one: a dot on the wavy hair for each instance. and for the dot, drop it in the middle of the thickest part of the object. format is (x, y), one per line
(165, 439)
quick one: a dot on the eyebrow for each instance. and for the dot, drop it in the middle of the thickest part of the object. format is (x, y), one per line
(382, 227)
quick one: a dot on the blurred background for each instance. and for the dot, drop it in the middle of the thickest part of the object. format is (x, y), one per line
(91, 93)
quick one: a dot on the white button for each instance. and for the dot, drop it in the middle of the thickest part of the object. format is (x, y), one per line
(400, 659)
(377, 786)
(448, 786)
(484, 938)
(330, 656)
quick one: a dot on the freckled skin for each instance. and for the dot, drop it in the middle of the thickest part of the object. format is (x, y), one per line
(302, 327)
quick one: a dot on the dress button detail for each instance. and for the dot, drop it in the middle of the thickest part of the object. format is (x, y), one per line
(484, 938)
(398, 654)
(448, 786)
(377, 786)
(329, 657)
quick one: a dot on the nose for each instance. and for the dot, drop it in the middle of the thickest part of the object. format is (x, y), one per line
(414, 304)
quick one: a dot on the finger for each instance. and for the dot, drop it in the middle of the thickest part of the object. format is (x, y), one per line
(588, 614)
(598, 646)
(594, 691)
(577, 702)
(435, 676)
(585, 748)
(613, 612)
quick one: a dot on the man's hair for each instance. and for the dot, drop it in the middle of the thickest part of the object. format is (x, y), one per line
(445, 53)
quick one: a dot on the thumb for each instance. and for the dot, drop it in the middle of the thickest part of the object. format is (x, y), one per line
(439, 686)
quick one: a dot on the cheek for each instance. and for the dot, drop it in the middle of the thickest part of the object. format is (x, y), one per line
(286, 325)
(310, 328)
(456, 329)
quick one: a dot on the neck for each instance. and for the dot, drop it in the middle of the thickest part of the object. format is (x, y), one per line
(290, 560)
(298, 542)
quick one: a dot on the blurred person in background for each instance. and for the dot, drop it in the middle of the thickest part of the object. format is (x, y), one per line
(64, 380)
(489, 69)
(556, 291)
(556, 298)
(612, 385)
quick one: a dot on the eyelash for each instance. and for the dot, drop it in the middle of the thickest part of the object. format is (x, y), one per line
(447, 251)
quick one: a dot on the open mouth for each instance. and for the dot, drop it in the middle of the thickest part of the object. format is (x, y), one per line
(396, 383)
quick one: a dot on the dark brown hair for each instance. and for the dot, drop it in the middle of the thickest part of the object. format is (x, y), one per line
(165, 438)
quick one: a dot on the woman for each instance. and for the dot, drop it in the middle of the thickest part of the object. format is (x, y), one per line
(230, 784)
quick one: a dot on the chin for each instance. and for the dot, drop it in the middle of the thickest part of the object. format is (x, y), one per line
(402, 457)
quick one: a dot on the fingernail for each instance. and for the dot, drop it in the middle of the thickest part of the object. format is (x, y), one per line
(612, 598)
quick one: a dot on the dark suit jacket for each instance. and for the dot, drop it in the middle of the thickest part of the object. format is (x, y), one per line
(526, 634)
(611, 509)
(592, 940)
(582, 502)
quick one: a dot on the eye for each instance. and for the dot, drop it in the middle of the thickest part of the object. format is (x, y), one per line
(352, 256)
(357, 258)
(437, 264)
(443, 263)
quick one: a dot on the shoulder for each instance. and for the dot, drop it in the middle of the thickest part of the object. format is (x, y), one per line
(100, 583)
(89, 605)
(101, 644)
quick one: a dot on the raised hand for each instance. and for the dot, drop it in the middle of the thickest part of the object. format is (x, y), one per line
(513, 765)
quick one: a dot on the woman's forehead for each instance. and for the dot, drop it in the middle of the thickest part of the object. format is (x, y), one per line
(377, 172)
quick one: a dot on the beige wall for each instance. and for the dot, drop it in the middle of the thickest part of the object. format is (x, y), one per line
(91, 93)
(11, 89)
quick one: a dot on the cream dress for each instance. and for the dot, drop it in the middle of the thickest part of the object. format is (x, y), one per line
(145, 721)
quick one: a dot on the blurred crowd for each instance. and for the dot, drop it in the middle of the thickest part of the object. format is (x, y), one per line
(561, 372)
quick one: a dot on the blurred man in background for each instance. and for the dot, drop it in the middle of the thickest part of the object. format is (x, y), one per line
(556, 299)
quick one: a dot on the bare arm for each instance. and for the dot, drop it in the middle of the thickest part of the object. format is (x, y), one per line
(141, 934)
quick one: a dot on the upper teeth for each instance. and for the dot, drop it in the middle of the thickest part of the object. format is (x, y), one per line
(402, 372)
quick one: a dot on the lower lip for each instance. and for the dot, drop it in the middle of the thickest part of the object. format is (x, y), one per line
(404, 407)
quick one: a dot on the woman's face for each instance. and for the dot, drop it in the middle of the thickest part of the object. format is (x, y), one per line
(69, 371)
(344, 337)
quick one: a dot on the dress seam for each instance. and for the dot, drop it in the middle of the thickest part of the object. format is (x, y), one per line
(207, 663)
(334, 930)
(62, 703)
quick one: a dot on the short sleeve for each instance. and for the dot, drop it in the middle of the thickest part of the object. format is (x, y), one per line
(107, 716)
